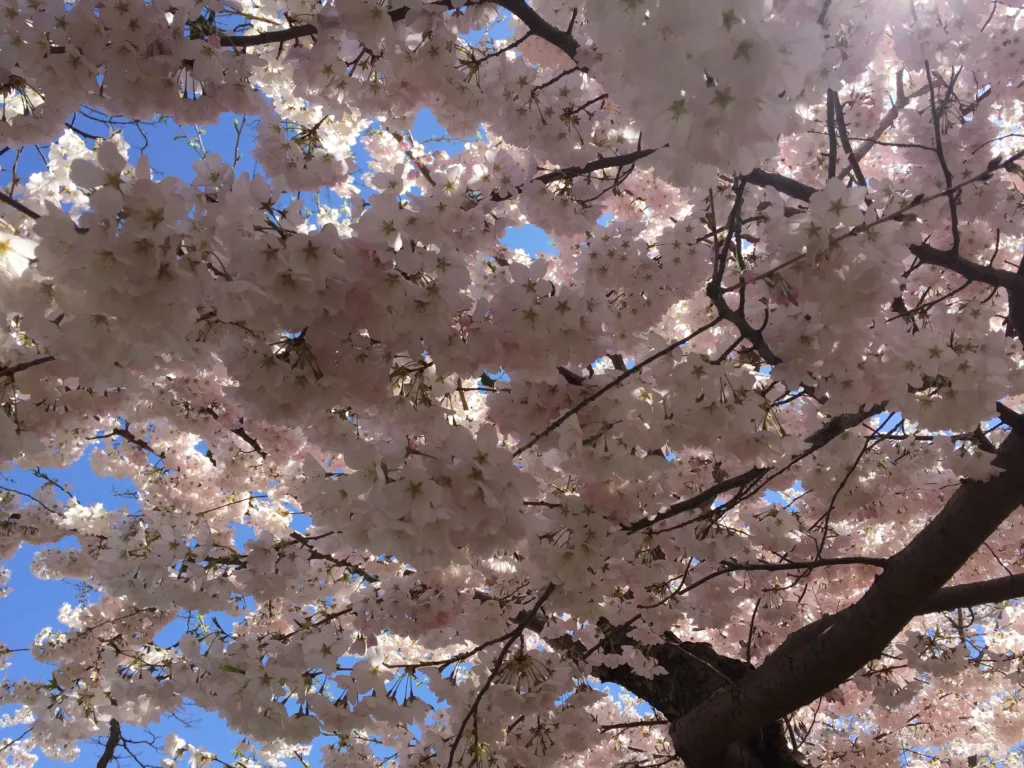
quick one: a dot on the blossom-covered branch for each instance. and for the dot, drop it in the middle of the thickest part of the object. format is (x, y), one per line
(860, 632)
(675, 357)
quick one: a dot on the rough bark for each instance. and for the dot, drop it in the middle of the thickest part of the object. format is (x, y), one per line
(695, 672)
(798, 673)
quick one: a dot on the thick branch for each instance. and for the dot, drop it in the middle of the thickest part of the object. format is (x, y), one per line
(839, 424)
(128, 436)
(972, 270)
(265, 38)
(780, 183)
(967, 595)
(859, 633)
(541, 27)
(113, 740)
(695, 671)
(250, 440)
(976, 593)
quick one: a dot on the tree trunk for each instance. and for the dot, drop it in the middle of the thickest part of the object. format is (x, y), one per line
(695, 672)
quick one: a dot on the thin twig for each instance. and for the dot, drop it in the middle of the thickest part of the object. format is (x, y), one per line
(824, 562)
(844, 138)
(827, 516)
(18, 206)
(946, 173)
(830, 121)
(902, 100)
(704, 497)
(19, 367)
(611, 385)
(496, 668)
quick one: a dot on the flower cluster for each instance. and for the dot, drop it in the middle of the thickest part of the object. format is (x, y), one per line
(429, 490)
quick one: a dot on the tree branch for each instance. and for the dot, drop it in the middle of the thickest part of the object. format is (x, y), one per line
(976, 593)
(130, 437)
(113, 740)
(972, 270)
(784, 184)
(792, 679)
(928, 254)
(612, 161)
(695, 671)
(265, 38)
(807, 566)
(18, 206)
(250, 440)
(284, 35)
(611, 385)
(968, 595)
(844, 138)
(716, 293)
(634, 724)
(541, 27)
(496, 668)
(839, 424)
(19, 367)
(902, 100)
(702, 498)
(831, 106)
(954, 220)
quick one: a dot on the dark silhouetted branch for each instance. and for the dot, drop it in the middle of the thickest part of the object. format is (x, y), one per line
(793, 678)
(19, 367)
(113, 740)
(541, 27)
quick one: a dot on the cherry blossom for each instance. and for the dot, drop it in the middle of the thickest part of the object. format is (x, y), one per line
(728, 476)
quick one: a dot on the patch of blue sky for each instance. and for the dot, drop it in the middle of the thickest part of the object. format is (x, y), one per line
(499, 29)
(529, 238)
(428, 131)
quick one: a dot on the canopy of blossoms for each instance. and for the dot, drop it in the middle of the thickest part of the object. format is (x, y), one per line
(746, 448)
